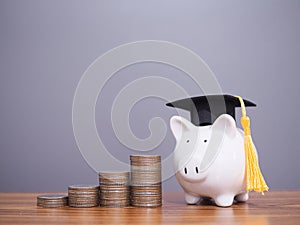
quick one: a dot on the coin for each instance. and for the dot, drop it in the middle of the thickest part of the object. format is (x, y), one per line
(81, 195)
(114, 189)
(146, 180)
(52, 200)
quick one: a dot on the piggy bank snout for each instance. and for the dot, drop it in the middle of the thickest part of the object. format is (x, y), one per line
(191, 171)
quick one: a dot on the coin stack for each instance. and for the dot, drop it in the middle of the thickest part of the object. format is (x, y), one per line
(83, 196)
(146, 181)
(114, 189)
(52, 201)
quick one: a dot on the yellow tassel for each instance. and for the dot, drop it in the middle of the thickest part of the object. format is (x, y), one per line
(254, 177)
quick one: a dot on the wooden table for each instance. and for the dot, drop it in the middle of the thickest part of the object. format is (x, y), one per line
(276, 207)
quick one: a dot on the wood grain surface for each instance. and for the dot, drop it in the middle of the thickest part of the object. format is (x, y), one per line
(276, 207)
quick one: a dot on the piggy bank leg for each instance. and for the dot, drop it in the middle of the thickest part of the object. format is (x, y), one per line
(224, 200)
(191, 199)
(242, 197)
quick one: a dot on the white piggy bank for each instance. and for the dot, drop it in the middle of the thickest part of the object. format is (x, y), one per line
(210, 160)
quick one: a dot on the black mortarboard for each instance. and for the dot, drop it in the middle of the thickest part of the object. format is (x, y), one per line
(206, 109)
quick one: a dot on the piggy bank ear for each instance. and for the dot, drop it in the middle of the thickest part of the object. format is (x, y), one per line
(179, 125)
(225, 123)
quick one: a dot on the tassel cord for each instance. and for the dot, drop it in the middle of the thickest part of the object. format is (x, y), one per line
(254, 177)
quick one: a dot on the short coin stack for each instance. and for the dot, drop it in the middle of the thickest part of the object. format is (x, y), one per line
(146, 181)
(114, 189)
(83, 196)
(52, 201)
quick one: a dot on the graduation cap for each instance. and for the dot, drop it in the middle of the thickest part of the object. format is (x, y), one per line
(206, 109)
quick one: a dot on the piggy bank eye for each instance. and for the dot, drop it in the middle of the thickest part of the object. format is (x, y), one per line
(205, 141)
(187, 141)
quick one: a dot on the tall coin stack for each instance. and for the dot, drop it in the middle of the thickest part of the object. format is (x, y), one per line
(146, 181)
(83, 196)
(114, 189)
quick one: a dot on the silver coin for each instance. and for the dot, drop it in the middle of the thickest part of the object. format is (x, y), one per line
(52, 197)
(83, 186)
(52, 200)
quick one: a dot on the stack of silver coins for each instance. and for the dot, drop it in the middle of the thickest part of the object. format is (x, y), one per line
(83, 196)
(146, 181)
(114, 189)
(52, 201)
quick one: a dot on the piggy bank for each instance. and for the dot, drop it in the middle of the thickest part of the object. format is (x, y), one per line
(210, 160)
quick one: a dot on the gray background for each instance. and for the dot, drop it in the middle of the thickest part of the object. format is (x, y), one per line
(45, 47)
